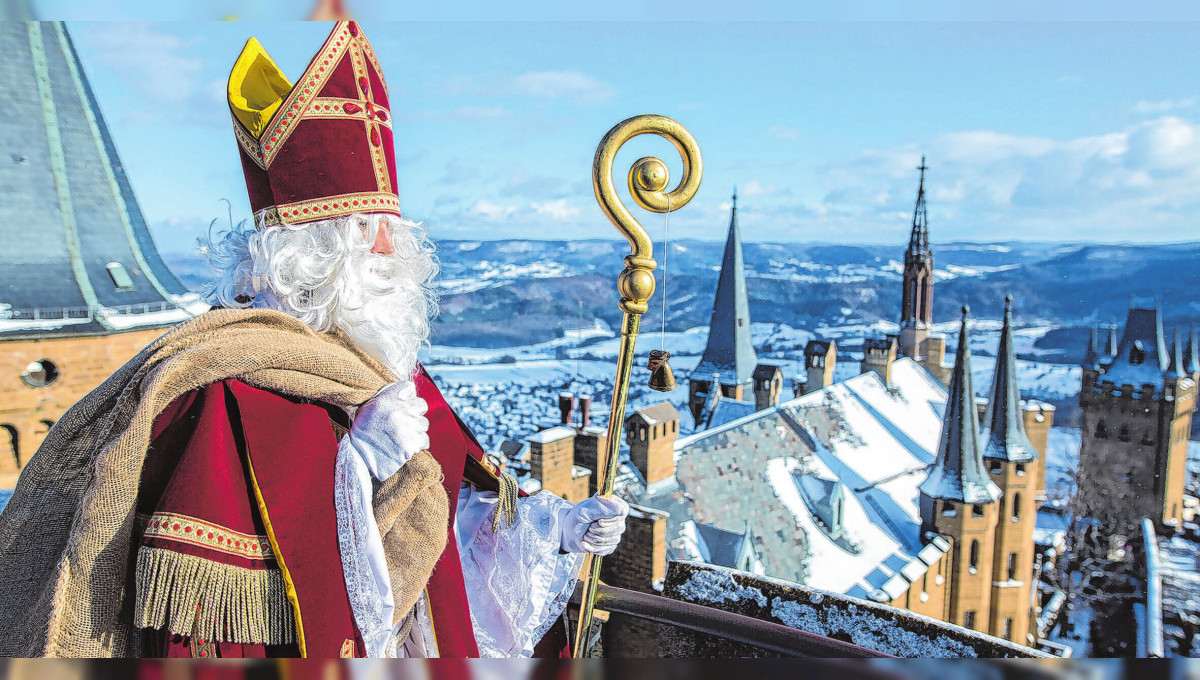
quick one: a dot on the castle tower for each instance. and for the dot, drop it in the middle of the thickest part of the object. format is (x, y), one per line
(1013, 464)
(729, 360)
(82, 286)
(768, 383)
(959, 500)
(1137, 413)
(916, 311)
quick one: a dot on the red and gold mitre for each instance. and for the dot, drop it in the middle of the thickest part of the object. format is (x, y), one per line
(321, 148)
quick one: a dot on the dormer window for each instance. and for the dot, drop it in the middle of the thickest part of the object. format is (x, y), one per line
(1137, 353)
(120, 277)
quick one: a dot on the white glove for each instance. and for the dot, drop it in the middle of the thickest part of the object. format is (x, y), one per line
(594, 525)
(390, 429)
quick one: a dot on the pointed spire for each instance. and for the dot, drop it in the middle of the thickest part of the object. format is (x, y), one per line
(1175, 369)
(958, 473)
(1004, 436)
(1191, 355)
(918, 241)
(1091, 358)
(730, 353)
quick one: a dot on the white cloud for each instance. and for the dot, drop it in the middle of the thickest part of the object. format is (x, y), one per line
(784, 133)
(488, 210)
(1164, 105)
(574, 87)
(558, 209)
(756, 188)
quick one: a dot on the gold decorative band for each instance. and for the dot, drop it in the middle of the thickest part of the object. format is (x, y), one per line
(326, 208)
(193, 531)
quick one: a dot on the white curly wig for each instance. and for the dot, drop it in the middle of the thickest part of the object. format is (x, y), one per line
(325, 274)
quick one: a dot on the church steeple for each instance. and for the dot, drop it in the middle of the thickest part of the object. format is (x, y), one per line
(916, 313)
(730, 353)
(728, 363)
(1004, 435)
(958, 473)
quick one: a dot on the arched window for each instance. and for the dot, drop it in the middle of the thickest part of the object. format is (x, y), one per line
(977, 510)
(14, 443)
(974, 556)
(1101, 430)
(1016, 508)
(1012, 566)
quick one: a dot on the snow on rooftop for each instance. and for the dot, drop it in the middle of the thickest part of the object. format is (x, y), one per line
(552, 434)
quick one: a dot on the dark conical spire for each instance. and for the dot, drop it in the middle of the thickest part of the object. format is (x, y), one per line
(730, 352)
(1191, 355)
(918, 241)
(74, 245)
(958, 473)
(1091, 358)
(1176, 367)
(1004, 435)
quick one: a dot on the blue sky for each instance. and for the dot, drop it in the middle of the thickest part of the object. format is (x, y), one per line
(1034, 131)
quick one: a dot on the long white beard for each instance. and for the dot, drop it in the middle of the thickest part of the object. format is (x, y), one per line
(324, 274)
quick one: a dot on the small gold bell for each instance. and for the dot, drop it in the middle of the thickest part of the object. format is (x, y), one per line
(662, 379)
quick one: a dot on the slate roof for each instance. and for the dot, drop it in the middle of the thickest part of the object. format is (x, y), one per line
(76, 256)
(1141, 357)
(876, 440)
(729, 353)
(722, 547)
(1004, 429)
(918, 240)
(958, 473)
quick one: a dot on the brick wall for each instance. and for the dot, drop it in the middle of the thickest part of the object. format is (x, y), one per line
(82, 364)
(551, 462)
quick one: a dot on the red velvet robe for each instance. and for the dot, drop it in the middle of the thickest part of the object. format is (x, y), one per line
(220, 454)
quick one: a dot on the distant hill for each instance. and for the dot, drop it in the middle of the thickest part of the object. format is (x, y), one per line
(507, 293)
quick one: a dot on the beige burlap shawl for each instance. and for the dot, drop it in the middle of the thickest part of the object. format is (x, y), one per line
(65, 534)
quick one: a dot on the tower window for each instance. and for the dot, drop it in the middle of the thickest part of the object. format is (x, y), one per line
(40, 373)
(974, 556)
(120, 277)
(969, 619)
(1136, 353)
(1008, 629)
(977, 510)
(1012, 568)
(994, 467)
(1123, 435)
(1016, 508)
(1101, 430)
(1020, 468)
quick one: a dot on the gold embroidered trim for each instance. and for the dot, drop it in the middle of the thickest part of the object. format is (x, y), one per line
(188, 595)
(335, 108)
(374, 140)
(193, 531)
(362, 41)
(293, 108)
(325, 208)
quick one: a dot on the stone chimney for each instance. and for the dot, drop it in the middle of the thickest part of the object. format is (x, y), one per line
(640, 560)
(820, 359)
(878, 355)
(768, 383)
(566, 406)
(552, 461)
(651, 433)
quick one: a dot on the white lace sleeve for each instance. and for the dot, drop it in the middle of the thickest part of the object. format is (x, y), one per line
(364, 564)
(518, 580)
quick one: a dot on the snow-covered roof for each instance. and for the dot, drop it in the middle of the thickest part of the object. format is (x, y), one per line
(551, 434)
(662, 412)
(876, 439)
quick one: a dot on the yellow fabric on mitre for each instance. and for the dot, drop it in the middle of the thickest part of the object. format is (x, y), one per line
(256, 87)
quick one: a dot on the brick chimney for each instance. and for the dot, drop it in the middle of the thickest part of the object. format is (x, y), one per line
(651, 433)
(820, 358)
(585, 411)
(566, 406)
